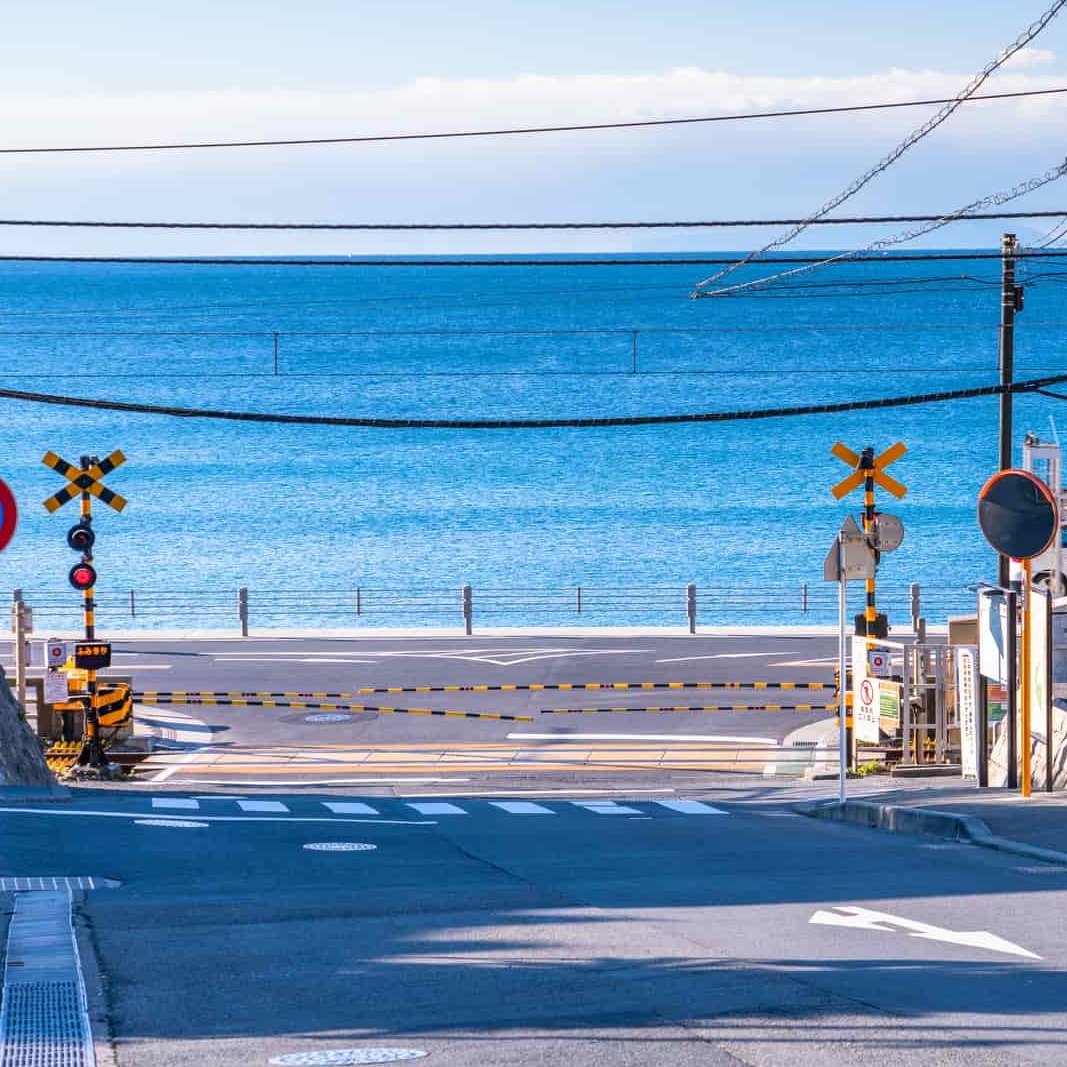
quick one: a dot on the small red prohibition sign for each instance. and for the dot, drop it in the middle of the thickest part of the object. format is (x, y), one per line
(9, 515)
(866, 691)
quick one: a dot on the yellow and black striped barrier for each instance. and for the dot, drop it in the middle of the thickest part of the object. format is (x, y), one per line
(148, 694)
(696, 707)
(60, 756)
(204, 700)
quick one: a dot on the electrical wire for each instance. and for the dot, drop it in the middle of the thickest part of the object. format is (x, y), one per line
(912, 139)
(692, 224)
(383, 138)
(1030, 386)
(562, 260)
(1021, 189)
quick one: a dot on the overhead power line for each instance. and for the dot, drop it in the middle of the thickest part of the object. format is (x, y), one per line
(518, 130)
(1054, 174)
(1031, 386)
(854, 220)
(487, 261)
(910, 141)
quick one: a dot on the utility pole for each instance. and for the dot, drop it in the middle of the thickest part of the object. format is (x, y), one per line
(1011, 301)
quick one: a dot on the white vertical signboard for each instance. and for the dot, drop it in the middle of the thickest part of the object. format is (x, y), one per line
(967, 681)
(864, 694)
(1040, 674)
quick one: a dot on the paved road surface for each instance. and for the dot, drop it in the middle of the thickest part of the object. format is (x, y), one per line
(506, 932)
(542, 720)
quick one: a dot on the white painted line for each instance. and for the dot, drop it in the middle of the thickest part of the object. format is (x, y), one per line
(184, 824)
(339, 846)
(142, 667)
(521, 807)
(252, 657)
(566, 793)
(430, 808)
(806, 663)
(606, 807)
(261, 805)
(175, 802)
(301, 780)
(183, 761)
(719, 655)
(345, 807)
(690, 807)
(217, 818)
(723, 738)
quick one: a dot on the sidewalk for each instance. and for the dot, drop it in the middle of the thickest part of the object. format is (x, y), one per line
(1034, 826)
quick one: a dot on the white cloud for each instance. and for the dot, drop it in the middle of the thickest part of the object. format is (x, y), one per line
(1028, 58)
(433, 105)
(765, 168)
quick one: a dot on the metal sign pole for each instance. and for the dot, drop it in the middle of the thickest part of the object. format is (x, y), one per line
(1027, 666)
(842, 608)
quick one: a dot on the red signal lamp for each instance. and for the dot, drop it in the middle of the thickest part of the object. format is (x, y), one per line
(82, 576)
(81, 537)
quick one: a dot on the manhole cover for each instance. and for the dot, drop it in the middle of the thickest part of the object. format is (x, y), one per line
(340, 846)
(183, 823)
(349, 1055)
(328, 716)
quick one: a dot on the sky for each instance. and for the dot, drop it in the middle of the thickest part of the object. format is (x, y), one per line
(119, 73)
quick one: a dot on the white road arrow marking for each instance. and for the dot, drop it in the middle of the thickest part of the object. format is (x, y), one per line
(865, 919)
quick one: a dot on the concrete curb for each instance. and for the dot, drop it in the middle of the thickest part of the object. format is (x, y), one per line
(33, 794)
(929, 821)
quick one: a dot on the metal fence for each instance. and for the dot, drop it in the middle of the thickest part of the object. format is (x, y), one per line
(465, 607)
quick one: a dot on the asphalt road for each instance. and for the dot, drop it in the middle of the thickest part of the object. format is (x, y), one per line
(497, 677)
(616, 934)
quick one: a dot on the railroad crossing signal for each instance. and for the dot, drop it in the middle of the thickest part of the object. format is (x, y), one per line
(870, 471)
(877, 466)
(84, 480)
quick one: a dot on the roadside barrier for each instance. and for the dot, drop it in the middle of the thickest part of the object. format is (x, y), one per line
(246, 609)
(536, 687)
(699, 707)
(144, 698)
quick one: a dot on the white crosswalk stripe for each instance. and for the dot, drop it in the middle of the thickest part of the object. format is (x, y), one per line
(690, 807)
(521, 807)
(274, 806)
(349, 807)
(467, 806)
(606, 807)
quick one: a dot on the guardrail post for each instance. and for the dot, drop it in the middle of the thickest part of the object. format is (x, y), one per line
(359, 602)
(578, 602)
(468, 609)
(804, 600)
(691, 606)
(133, 606)
(242, 609)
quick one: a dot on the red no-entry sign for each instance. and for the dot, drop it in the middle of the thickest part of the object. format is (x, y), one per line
(9, 515)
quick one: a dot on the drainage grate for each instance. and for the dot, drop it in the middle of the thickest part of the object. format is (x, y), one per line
(43, 1020)
(43, 1025)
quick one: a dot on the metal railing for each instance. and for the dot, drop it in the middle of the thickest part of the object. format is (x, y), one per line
(370, 607)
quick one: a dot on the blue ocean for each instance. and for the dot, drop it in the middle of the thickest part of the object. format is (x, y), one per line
(303, 517)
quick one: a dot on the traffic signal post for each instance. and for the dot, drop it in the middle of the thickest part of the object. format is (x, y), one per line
(85, 482)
